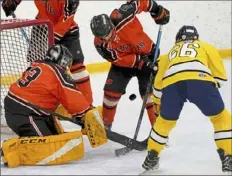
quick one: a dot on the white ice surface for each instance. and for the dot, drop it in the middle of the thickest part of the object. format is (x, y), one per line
(192, 149)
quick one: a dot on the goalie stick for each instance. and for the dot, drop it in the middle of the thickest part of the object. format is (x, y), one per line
(125, 150)
(113, 136)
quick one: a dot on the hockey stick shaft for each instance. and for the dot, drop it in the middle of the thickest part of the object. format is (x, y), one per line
(23, 32)
(126, 150)
(113, 136)
(149, 84)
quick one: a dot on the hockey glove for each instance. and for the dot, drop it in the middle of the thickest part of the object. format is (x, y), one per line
(9, 6)
(104, 52)
(161, 16)
(145, 64)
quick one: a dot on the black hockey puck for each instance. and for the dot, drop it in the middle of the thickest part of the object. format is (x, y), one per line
(132, 97)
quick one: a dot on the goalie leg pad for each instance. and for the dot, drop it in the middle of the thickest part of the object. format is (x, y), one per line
(94, 127)
(49, 150)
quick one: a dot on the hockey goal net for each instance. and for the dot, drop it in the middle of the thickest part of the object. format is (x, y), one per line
(22, 41)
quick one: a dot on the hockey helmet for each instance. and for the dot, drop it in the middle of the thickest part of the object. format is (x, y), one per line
(187, 33)
(101, 25)
(60, 55)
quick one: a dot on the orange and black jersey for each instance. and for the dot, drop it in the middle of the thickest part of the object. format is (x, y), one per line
(130, 41)
(60, 13)
(46, 85)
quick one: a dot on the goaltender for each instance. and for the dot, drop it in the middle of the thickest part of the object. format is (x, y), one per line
(28, 111)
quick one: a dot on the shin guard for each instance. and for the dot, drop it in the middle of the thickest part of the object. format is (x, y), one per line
(159, 134)
(80, 76)
(223, 131)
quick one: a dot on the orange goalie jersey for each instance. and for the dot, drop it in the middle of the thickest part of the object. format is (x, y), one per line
(46, 85)
(60, 13)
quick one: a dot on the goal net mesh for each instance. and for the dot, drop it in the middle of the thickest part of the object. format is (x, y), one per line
(22, 41)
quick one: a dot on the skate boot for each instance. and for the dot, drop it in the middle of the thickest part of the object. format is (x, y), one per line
(108, 127)
(152, 161)
(226, 162)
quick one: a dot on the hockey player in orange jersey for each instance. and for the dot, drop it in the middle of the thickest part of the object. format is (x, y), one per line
(192, 71)
(120, 39)
(28, 112)
(66, 32)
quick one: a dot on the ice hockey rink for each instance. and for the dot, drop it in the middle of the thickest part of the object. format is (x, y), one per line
(192, 150)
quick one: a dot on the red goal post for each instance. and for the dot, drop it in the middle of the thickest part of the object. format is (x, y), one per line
(22, 41)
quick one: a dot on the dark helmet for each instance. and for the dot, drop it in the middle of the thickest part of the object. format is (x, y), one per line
(187, 33)
(101, 25)
(60, 55)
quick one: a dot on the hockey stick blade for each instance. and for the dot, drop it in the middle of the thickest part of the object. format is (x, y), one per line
(125, 150)
(126, 141)
(113, 136)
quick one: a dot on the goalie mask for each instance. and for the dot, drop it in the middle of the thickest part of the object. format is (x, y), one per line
(60, 55)
(187, 33)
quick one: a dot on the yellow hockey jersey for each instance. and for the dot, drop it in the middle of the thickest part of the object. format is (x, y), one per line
(189, 60)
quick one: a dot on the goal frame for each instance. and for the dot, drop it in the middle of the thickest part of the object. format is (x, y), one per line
(13, 24)
(8, 24)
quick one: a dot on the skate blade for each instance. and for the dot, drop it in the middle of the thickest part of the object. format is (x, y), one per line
(151, 171)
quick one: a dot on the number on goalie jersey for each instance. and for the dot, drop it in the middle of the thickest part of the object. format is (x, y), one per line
(45, 85)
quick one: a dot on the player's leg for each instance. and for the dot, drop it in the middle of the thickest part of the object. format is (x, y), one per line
(209, 101)
(25, 121)
(41, 139)
(172, 101)
(143, 79)
(79, 72)
(115, 86)
(30, 125)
